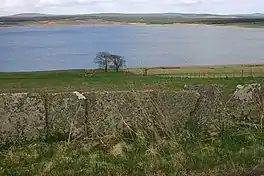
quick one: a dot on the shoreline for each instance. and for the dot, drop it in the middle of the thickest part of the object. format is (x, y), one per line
(113, 23)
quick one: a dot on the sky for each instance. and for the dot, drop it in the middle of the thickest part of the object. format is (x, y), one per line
(8, 7)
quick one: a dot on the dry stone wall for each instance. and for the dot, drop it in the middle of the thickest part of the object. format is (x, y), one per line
(31, 116)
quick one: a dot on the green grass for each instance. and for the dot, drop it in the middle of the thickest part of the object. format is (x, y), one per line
(234, 70)
(192, 150)
(77, 80)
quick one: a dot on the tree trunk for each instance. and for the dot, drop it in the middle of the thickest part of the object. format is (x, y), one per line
(106, 67)
(117, 69)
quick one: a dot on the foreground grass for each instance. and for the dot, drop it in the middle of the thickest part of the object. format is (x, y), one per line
(80, 80)
(192, 150)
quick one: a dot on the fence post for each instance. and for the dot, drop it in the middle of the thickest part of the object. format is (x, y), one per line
(145, 72)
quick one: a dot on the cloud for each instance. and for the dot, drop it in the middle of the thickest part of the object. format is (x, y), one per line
(130, 6)
(191, 2)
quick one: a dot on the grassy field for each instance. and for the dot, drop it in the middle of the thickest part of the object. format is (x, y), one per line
(82, 80)
(193, 148)
(218, 71)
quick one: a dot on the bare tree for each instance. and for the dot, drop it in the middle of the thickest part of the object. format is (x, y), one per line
(106, 60)
(117, 61)
(103, 60)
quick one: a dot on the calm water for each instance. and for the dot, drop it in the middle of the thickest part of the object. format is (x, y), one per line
(49, 48)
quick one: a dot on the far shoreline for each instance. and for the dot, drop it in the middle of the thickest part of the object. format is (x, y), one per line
(113, 23)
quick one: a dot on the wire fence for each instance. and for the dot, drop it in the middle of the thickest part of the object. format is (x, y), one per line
(220, 72)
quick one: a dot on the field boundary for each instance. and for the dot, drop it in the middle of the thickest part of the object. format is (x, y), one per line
(217, 71)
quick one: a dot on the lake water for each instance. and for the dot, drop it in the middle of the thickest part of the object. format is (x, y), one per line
(73, 47)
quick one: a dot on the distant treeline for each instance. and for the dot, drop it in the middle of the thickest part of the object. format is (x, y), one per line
(170, 20)
(230, 20)
(27, 20)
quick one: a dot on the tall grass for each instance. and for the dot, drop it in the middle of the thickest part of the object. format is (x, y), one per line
(193, 150)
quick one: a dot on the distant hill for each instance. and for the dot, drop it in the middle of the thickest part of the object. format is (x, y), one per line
(167, 15)
(253, 15)
(29, 15)
(172, 15)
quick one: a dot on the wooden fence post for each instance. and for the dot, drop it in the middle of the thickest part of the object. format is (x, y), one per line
(145, 73)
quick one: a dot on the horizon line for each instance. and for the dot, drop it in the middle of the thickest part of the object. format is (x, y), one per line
(135, 13)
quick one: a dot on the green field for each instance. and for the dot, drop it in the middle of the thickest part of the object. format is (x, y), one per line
(193, 148)
(83, 80)
(213, 71)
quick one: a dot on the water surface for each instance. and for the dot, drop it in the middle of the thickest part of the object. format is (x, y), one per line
(74, 47)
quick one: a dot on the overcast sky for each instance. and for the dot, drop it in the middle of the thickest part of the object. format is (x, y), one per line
(130, 6)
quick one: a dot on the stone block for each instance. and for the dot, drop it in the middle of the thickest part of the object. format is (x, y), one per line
(175, 106)
(246, 106)
(66, 115)
(22, 117)
(210, 102)
(112, 112)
